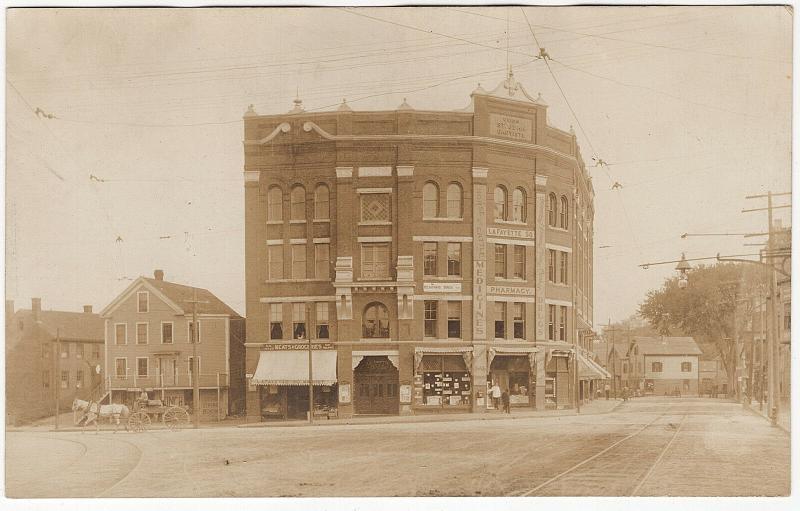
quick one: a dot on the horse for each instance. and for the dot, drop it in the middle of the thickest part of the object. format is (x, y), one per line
(110, 412)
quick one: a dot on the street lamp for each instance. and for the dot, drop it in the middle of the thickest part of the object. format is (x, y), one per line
(683, 268)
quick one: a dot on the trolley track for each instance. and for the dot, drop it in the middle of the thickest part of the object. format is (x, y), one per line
(620, 469)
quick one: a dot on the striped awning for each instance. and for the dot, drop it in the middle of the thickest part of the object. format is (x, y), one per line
(589, 370)
(290, 367)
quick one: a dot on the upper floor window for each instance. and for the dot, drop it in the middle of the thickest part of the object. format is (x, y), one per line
(519, 320)
(563, 270)
(79, 350)
(454, 201)
(375, 323)
(191, 334)
(298, 203)
(551, 322)
(275, 204)
(375, 260)
(430, 200)
(322, 267)
(376, 208)
(431, 317)
(562, 324)
(120, 333)
(658, 367)
(166, 333)
(500, 309)
(686, 367)
(454, 259)
(143, 299)
(552, 209)
(276, 321)
(454, 320)
(518, 205)
(519, 261)
(274, 262)
(429, 259)
(563, 217)
(500, 260)
(298, 320)
(551, 265)
(322, 320)
(322, 203)
(500, 203)
(299, 261)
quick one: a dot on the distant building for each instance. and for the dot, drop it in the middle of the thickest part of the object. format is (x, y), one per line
(148, 330)
(425, 253)
(36, 370)
(713, 379)
(664, 365)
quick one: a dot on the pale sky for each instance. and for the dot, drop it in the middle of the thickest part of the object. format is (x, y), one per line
(690, 106)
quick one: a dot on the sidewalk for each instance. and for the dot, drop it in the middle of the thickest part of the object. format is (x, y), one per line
(66, 424)
(593, 408)
(784, 413)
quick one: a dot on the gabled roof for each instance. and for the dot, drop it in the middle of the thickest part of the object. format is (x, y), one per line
(181, 295)
(70, 326)
(667, 346)
(176, 296)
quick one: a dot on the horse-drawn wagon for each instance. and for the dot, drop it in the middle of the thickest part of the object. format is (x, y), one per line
(146, 412)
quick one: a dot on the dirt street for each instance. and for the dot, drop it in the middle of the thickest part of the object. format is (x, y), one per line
(648, 446)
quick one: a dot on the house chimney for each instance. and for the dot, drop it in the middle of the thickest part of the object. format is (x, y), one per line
(36, 307)
(158, 274)
(87, 309)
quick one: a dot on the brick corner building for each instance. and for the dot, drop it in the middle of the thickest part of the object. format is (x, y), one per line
(422, 254)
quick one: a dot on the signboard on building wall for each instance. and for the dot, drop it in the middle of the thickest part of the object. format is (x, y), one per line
(479, 261)
(540, 267)
(507, 126)
(296, 346)
(441, 287)
(511, 290)
(405, 393)
(525, 234)
(344, 393)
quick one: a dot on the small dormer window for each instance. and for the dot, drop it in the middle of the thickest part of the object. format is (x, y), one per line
(143, 301)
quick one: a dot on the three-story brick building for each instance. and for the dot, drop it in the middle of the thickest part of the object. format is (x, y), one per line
(425, 254)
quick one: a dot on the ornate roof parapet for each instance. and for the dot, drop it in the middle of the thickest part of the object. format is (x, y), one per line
(510, 88)
(405, 106)
(251, 111)
(344, 107)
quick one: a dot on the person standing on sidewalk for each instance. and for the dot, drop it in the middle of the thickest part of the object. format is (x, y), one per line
(506, 402)
(496, 393)
(607, 389)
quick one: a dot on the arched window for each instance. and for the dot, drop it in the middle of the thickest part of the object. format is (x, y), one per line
(563, 212)
(518, 205)
(500, 203)
(552, 209)
(275, 204)
(454, 202)
(322, 203)
(298, 199)
(430, 200)
(375, 322)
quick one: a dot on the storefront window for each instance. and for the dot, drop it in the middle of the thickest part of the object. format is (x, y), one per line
(446, 381)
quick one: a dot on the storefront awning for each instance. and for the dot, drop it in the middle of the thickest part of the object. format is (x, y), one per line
(588, 370)
(291, 368)
(464, 351)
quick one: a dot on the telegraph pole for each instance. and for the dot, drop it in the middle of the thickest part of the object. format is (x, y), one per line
(57, 376)
(195, 365)
(310, 369)
(772, 301)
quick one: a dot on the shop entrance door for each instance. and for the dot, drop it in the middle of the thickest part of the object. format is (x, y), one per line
(376, 382)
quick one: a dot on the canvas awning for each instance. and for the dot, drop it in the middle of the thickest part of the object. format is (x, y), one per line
(527, 351)
(290, 367)
(464, 351)
(588, 370)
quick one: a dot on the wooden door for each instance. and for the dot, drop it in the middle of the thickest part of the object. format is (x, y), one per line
(376, 387)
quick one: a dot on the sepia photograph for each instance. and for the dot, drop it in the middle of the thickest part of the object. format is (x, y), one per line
(346, 251)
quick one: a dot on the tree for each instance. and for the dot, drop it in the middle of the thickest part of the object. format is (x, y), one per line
(707, 308)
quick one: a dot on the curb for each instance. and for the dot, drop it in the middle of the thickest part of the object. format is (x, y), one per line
(418, 419)
(766, 418)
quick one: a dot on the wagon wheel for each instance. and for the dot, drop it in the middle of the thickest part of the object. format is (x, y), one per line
(175, 417)
(137, 422)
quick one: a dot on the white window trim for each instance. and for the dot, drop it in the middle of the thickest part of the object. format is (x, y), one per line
(173, 331)
(558, 248)
(298, 241)
(322, 240)
(189, 331)
(274, 222)
(375, 190)
(116, 375)
(272, 243)
(442, 219)
(147, 294)
(374, 239)
(116, 341)
(563, 303)
(147, 375)
(381, 171)
(452, 239)
(146, 333)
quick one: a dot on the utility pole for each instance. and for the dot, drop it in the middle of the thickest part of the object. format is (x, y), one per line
(310, 368)
(57, 376)
(772, 304)
(195, 364)
(613, 329)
